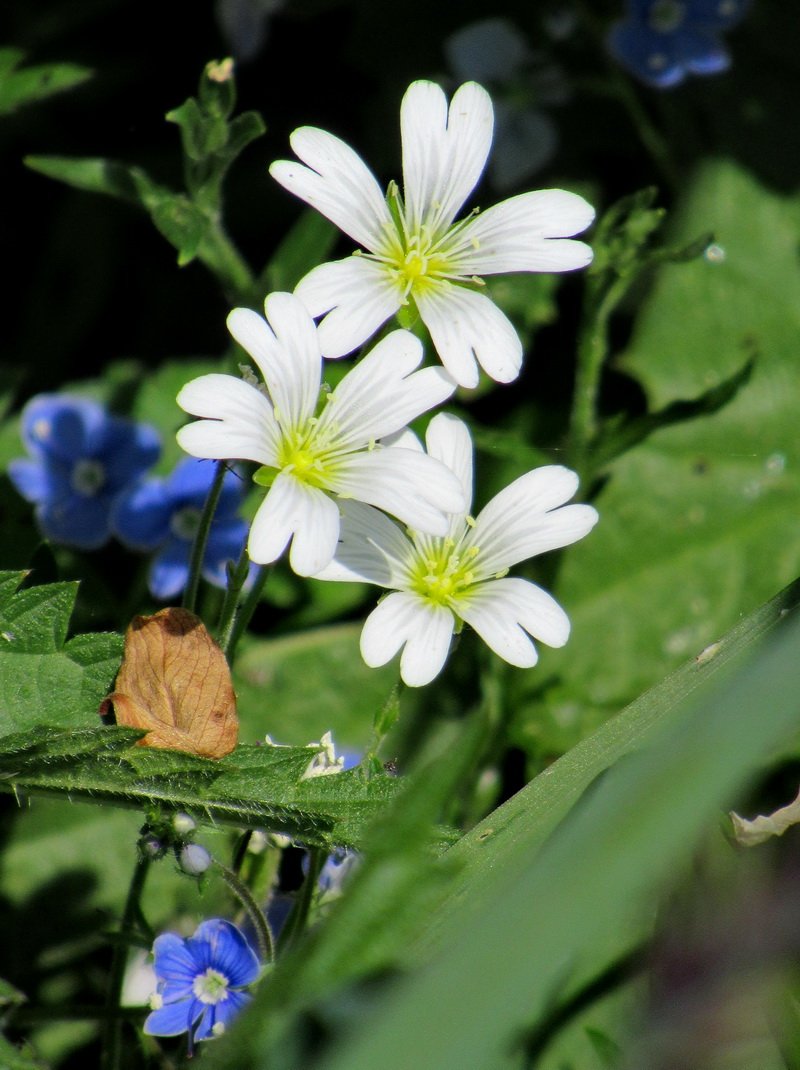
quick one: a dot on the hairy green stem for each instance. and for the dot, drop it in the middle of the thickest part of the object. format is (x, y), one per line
(201, 538)
(112, 1029)
(266, 944)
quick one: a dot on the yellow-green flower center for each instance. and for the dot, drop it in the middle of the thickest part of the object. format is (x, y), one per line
(211, 986)
(305, 453)
(445, 573)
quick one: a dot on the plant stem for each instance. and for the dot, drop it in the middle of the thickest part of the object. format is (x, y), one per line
(236, 580)
(243, 614)
(296, 922)
(201, 538)
(226, 263)
(266, 944)
(112, 1029)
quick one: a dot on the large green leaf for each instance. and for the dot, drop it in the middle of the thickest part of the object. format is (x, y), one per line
(255, 787)
(699, 523)
(45, 680)
(508, 951)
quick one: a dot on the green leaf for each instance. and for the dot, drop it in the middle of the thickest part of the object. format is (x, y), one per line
(255, 787)
(45, 680)
(201, 134)
(31, 84)
(541, 913)
(14, 1058)
(94, 175)
(297, 687)
(698, 523)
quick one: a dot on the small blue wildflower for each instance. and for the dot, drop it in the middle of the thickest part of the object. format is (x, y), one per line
(662, 41)
(200, 981)
(164, 514)
(80, 459)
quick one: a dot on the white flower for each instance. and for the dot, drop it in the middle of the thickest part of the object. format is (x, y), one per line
(415, 254)
(441, 582)
(309, 456)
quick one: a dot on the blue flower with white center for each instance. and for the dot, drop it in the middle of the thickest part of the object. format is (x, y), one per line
(200, 981)
(80, 458)
(663, 41)
(164, 515)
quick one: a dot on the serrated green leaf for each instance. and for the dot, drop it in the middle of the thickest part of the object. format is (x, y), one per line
(31, 84)
(43, 679)
(255, 787)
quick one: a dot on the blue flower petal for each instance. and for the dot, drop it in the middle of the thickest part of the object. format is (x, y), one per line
(648, 55)
(222, 947)
(126, 450)
(223, 1012)
(59, 427)
(37, 481)
(76, 521)
(716, 14)
(173, 1019)
(174, 961)
(701, 53)
(140, 517)
(191, 479)
(169, 570)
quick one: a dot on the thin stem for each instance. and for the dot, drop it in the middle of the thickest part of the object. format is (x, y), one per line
(112, 1030)
(295, 924)
(243, 614)
(226, 263)
(266, 943)
(592, 355)
(201, 538)
(227, 614)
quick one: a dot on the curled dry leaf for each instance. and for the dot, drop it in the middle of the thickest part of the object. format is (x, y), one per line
(175, 682)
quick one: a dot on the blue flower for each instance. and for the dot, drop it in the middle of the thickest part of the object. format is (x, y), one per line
(200, 981)
(163, 515)
(663, 41)
(80, 459)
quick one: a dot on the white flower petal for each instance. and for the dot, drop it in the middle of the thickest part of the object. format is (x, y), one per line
(415, 488)
(305, 514)
(533, 608)
(316, 534)
(466, 326)
(444, 152)
(404, 439)
(287, 352)
(426, 631)
(449, 441)
(383, 393)
(337, 183)
(524, 519)
(357, 294)
(241, 424)
(494, 618)
(274, 522)
(525, 233)
(372, 548)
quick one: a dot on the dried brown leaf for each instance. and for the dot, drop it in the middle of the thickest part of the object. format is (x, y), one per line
(175, 682)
